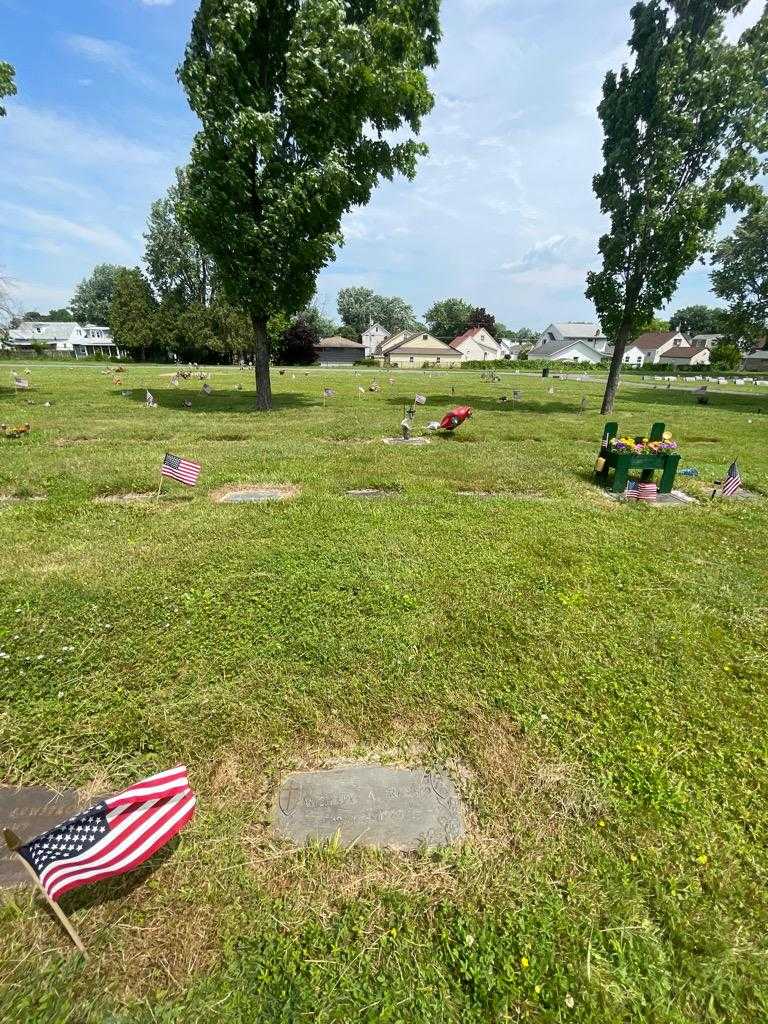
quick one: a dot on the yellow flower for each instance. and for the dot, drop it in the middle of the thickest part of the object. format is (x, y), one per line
(632, 857)
(537, 989)
(702, 858)
(524, 962)
(601, 823)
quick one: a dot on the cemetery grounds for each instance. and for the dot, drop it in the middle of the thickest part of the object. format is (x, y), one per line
(591, 674)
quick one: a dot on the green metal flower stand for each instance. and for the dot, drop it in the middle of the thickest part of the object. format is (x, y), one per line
(621, 463)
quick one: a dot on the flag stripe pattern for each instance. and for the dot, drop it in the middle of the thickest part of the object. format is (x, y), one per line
(732, 482)
(420, 399)
(183, 470)
(115, 836)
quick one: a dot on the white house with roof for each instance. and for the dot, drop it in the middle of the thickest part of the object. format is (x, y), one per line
(417, 348)
(574, 331)
(687, 355)
(64, 338)
(653, 344)
(373, 337)
(477, 343)
(757, 360)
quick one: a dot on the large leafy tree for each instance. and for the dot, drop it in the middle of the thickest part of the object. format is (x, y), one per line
(7, 83)
(176, 263)
(480, 317)
(132, 313)
(304, 105)
(359, 307)
(740, 275)
(93, 297)
(297, 345)
(699, 319)
(448, 318)
(682, 124)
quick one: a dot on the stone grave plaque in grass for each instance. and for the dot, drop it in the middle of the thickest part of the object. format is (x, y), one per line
(370, 493)
(247, 495)
(28, 811)
(371, 805)
(411, 442)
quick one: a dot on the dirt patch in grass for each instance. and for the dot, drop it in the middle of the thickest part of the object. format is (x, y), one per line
(253, 493)
(14, 499)
(71, 442)
(136, 497)
(516, 800)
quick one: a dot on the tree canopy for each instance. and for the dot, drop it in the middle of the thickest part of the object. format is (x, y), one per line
(448, 318)
(7, 83)
(740, 275)
(304, 105)
(359, 307)
(92, 301)
(176, 263)
(132, 312)
(683, 122)
(699, 319)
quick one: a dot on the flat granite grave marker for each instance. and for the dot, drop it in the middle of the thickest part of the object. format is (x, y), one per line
(371, 805)
(28, 811)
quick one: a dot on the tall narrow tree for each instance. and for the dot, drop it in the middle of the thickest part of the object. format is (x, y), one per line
(682, 124)
(7, 83)
(298, 100)
(740, 276)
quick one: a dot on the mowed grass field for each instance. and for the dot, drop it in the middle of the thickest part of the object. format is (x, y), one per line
(592, 675)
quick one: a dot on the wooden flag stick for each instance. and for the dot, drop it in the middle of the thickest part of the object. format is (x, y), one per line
(160, 485)
(12, 841)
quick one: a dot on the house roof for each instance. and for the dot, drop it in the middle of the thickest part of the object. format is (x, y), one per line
(655, 339)
(337, 342)
(703, 338)
(420, 343)
(760, 353)
(463, 337)
(38, 330)
(552, 348)
(683, 351)
(376, 327)
(574, 329)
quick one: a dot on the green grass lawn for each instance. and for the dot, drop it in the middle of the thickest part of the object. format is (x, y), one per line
(592, 675)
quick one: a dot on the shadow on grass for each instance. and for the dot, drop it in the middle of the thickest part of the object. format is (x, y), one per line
(112, 889)
(217, 401)
(488, 403)
(749, 402)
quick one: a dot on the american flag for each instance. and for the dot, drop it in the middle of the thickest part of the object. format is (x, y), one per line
(732, 481)
(183, 470)
(329, 393)
(420, 399)
(150, 399)
(206, 389)
(114, 836)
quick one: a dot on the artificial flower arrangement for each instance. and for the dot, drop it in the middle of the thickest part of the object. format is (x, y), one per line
(642, 446)
(14, 432)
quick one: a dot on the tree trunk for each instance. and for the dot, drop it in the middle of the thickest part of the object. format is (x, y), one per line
(612, 385)
(261, 363)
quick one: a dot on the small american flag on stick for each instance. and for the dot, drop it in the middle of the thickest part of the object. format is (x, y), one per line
(183, 470)
(420, 399)
(732, 481)
(112, 837)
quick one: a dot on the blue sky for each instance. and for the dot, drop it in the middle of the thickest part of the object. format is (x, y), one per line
(501, 212)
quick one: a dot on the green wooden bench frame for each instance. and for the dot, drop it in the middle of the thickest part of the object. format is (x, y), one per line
(622, 462)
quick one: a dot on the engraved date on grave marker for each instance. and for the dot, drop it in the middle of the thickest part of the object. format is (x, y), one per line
(370, 804)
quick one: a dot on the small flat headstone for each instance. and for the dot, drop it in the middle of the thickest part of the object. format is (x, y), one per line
(370, 805)
(254, 494)
(413, 442)
(369, 492)
(28, 811)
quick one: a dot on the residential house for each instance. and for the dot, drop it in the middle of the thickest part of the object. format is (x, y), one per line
(707, 340)
(417, 349)
(589, 333)
(63, 338)
(565, 352)
(653, 344)
(687, 355)
(373, 337)
(757, 360)
(391, 342)
(338, 351)
(477, 343)
(510, 349)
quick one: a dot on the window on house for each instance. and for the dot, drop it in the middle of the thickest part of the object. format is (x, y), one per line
(411, 359)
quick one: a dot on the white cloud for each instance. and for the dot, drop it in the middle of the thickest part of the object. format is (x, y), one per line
(28, 219)
(115, 56)
(35, 295)
(45, 132)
